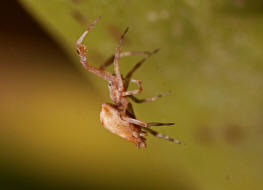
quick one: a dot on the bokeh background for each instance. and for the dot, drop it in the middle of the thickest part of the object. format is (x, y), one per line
(211, 59)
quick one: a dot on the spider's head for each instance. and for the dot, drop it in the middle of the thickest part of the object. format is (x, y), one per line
(113, 89)
(110, 85)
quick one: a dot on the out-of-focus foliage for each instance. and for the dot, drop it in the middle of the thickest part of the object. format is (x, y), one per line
(211, 59)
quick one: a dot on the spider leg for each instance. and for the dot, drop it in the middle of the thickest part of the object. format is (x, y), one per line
(159, 124)
(137, 100)
(153, 132)
(162, 136)
(81, 50)
(132, 92)
(137, 66)
(116, 62)
(135, 121)
(110, 60)
(144, 124)
(91, 26)
(130, 111)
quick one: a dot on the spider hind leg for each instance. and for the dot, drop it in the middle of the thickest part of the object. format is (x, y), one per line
(158, 124)
(162, 136)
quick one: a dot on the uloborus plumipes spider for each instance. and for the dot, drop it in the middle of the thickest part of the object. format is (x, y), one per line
(119, 117)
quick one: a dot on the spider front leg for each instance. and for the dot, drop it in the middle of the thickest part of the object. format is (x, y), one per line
(81, 50)
(110, 60)
(116, 62)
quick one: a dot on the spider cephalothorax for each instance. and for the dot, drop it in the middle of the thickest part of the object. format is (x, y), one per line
(119, 117)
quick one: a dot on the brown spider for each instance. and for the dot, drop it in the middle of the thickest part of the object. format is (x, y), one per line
(119, 117)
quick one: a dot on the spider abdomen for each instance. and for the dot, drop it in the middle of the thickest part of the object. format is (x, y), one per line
(111, 120)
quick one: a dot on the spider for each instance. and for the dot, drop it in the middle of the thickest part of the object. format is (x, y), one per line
(119, 118)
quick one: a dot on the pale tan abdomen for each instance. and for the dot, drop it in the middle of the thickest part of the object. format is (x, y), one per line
(112, 121)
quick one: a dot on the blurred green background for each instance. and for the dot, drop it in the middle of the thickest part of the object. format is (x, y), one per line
(211, 59)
